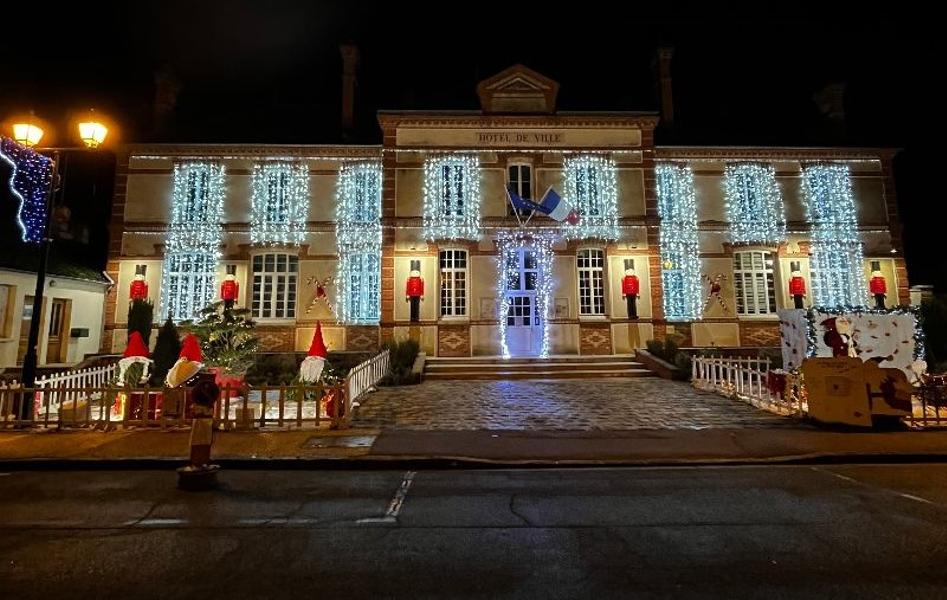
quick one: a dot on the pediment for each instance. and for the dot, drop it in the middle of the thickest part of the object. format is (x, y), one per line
(518, 89)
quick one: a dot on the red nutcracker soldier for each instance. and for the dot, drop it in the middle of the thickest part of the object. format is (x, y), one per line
(139, 289)
(877, 285)
(414, 290)
(797, 286)
(630, 287)
(230, 289)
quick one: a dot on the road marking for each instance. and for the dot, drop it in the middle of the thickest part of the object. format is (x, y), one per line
(868, 485)
(156, 522)
(397, 501)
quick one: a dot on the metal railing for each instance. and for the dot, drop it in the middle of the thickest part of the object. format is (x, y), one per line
(747, 378)
(108, 407)
(930, 402)
(363, 378)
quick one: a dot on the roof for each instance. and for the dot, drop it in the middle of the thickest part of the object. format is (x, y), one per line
(62, 262)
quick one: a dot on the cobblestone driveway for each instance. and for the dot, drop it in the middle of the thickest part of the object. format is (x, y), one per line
(574, 405)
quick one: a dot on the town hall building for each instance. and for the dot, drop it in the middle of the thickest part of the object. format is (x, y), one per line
(616, 241)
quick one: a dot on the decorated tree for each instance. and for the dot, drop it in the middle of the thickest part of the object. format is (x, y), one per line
(140, 317)
(227, 337)
(167, 349)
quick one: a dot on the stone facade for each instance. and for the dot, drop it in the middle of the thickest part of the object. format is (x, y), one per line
(541, 141)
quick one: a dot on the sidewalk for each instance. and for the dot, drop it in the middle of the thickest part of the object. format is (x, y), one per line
(375, 447)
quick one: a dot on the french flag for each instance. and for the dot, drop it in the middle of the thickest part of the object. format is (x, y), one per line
(551, 205)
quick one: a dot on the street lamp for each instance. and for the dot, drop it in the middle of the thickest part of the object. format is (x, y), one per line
(92, 133)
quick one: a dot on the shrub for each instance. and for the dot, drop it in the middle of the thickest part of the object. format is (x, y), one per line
(140, 316)
(167, 349)
(402, 356)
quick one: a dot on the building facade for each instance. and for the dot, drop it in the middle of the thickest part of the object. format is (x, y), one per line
(417, 237)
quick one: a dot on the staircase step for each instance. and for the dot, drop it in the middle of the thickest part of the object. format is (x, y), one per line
(492, 374)
(550, 366)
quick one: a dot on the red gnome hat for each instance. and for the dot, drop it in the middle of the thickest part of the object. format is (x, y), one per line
(318, 347)
(136, 346)
(191, 349)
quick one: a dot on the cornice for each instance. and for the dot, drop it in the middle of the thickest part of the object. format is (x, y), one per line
(471, 120)
(770, 153)
(253, 150)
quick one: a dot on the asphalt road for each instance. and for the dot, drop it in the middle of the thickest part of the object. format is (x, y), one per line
(767, 532)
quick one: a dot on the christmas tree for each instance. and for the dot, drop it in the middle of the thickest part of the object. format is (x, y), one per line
(227, 337)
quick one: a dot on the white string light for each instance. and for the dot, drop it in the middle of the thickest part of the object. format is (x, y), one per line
(680, 259)
(194, 238)
(452, 197)
(358, 239)
(592, 190)
(508, 244)
(280, 203)
(754, 204)
(837, 259)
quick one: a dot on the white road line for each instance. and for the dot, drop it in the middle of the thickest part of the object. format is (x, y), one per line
(868, 485)
(397, 501)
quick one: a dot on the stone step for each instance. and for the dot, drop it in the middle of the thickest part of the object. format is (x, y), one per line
(572, 373)
(499, 360)
(548, 366)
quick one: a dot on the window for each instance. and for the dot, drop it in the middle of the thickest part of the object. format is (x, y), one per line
(274, 286)
(359, 287)
(591, 282)
(753, 283)
(280, 200)
(7, 295)
(453, 283)
(452, 197)
(520, 180)
(188, 283)
(591, 188)
(754, 204)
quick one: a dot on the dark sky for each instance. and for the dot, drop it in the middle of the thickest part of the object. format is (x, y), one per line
(255, 71)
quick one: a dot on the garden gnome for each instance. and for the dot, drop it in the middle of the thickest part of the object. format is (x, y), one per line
(189, 363)
(630, 288)
(877, 285)
(311, 369)
(139, 288)
(797, 286)
(135, 353)
(230, 289)
(414, 290)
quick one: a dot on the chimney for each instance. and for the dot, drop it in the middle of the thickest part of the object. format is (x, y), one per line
(349, 63)
(665, 54)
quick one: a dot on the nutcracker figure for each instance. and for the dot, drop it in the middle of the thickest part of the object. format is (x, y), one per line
(797, 286)
(230, 289)
(139, 288)
(877, 285)
(630, 288)
(414, 290)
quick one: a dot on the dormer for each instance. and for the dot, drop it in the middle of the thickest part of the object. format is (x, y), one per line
(518, 89)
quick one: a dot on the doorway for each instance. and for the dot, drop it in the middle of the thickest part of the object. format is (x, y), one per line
(57, 342)
(524, 327)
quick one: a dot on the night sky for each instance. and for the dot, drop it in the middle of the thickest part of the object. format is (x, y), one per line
(253, 71)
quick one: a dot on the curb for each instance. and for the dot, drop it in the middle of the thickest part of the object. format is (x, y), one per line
(459, 462)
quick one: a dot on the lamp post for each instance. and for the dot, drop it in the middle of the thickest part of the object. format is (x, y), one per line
(92, 133)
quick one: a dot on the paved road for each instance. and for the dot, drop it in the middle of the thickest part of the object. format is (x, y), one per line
(612, 404)
(768, 532)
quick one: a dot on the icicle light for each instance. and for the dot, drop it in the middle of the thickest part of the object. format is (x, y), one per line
(680, 252)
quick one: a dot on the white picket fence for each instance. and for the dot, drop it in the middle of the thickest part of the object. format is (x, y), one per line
(93, 377)
(745, 378)
(363, 377)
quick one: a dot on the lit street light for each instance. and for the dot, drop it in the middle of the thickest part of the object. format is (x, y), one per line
(93, 134)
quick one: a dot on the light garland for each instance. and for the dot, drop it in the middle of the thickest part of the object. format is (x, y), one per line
(29, 182)
(591, 188)
(194, 238)
(680, 258)
(508, 243)
(358, 239)
(280, 203)
(754, 204)
(452, 197)
(837, 259)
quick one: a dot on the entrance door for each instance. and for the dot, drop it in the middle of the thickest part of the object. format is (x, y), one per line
(56, 343)
(523, 321)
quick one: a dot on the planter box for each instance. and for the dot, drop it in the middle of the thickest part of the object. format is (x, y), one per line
(659, 366)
